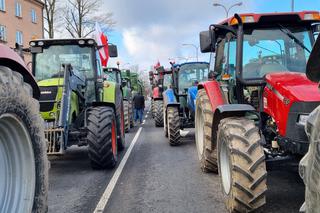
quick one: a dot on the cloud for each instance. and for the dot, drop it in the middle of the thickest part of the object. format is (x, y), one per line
(155, 30)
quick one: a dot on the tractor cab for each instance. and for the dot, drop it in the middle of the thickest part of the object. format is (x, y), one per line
(113, 75)
(186, 78)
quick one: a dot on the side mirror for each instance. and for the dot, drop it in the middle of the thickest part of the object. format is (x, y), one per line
(113, 50)
(313, 65)
(207, 41)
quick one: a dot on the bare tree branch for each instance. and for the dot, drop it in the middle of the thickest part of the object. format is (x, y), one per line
(79, 19)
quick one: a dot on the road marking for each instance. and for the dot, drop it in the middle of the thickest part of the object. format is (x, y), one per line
(146, 116)
(107, 193)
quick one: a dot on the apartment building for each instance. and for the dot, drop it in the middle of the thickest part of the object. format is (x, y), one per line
(21, 21)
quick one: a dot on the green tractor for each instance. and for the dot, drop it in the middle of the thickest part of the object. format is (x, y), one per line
(79, 106)
(115, 75)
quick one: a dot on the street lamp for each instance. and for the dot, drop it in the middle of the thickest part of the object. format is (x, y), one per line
(196, 47)
(225, 8)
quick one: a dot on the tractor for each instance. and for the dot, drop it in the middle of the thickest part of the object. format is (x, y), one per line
(79, 106)
(179, 98)
(159, 80)
(23, 158)
(253, 108)
(309, 165)
(114, 75)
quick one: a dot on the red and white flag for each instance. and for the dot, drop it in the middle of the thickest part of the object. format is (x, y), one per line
(102, 40)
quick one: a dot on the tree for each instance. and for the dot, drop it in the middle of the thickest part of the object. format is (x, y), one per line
(49, 16)
(81, 16)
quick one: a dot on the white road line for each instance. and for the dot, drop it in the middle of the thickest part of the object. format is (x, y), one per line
(107, 193)
(146, 116)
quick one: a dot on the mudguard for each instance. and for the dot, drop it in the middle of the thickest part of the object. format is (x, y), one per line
(12, 60)
(169, 97)
(220, 107)
(192, 94)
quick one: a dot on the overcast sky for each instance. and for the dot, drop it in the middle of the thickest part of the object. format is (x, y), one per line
(150, 30)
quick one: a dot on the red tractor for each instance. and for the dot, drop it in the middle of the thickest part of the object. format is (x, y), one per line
(159, 82)
(255, 105)
(23, 156)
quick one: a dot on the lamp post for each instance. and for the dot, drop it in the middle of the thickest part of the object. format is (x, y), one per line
(292, 5)
(196, 47)
(225, 8)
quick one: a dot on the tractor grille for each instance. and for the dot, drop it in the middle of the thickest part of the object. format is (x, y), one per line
(294, 130)
(47, 98)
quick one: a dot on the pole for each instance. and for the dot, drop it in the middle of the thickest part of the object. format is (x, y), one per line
(292, 5)
(196, 48)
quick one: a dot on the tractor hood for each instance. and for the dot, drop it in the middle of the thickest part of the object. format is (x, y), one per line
(293, 86)
(50, 82)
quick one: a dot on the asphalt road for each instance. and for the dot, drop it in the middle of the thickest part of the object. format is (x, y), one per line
(156, 178)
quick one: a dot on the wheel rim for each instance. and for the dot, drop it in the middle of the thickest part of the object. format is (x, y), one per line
(17, 166)
(200, 133)
(225, 167)
(114, 139)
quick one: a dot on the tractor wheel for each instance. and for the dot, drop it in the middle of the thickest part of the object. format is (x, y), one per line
(23, 156)
(131, 115)
(121, 126)
(242, 165)
(165, 127)
(207, 152)
(126, 115)
(152, 108)
(102, 137)
(158, 113)
(173, 125)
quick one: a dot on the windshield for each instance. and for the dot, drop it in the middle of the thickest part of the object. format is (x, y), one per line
(49, 63)
(191, 74)
(110, 76)
(275, 50)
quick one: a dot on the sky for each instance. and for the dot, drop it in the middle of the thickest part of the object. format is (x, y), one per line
(148, 31)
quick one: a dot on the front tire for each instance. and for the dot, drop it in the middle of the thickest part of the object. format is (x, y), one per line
(158, 113)
(173, 125)
(23, 157)
(207, 152)
(102, 137)
(242, 167)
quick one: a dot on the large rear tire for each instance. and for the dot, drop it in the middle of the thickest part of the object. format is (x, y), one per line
(126, 115)
(102, 137)
(131, 115)
(158, 113)
(207, 152)
(23, 157)
(173, 125)
(242, 167)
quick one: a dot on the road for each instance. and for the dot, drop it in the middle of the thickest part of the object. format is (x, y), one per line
(155, 178)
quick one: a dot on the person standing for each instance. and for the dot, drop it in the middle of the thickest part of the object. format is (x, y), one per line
(139, 105)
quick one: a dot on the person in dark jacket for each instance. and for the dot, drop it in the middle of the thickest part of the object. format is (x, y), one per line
(138, 101)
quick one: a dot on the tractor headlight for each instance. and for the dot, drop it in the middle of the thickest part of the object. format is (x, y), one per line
(52, 114)
(302, 119)
(40, 43)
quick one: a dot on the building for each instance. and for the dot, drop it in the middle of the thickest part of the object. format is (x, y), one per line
(21, 21)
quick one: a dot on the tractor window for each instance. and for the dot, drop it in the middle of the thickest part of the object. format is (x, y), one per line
(191, 74)
(49, 63)
(110, 76)
(273, 50)
(167, 81)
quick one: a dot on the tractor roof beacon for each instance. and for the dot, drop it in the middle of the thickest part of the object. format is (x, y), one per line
(259, 99)
(74, 97)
